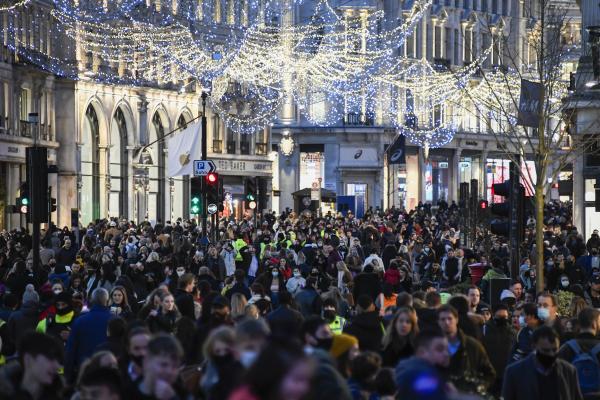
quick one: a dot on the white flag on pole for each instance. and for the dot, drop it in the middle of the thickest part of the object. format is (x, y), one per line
(184, 148)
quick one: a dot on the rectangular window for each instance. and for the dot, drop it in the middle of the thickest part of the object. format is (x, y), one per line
(495, 6)
(447, 50)
(428, 37)
(468, 45)
(456, 48)
(24, 105)
(419, 48)
(410, 44)
(438, 41)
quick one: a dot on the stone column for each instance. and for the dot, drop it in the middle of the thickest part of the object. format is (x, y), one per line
(66, 120)
(455, 176)
(104, 180)
(579, 196)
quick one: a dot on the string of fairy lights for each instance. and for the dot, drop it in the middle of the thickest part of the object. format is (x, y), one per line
(256, 58)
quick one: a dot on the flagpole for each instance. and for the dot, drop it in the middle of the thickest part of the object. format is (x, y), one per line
(170, 133)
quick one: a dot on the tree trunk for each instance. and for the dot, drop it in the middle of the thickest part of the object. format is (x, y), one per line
(539, 235)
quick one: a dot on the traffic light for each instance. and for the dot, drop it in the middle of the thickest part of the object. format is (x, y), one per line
(483, 204)
(251, 193)
(212, 178)
(500, 225)
(195, 195)
(213, 184)
(52, 207)
(23, 200)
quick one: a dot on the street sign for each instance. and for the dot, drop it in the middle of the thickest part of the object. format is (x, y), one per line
(212, 208)
(204, 167)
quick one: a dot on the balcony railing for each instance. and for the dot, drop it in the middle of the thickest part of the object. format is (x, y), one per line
(28, 129)
(217, 146)
(359, 119)
(230, 147)
(260, 149)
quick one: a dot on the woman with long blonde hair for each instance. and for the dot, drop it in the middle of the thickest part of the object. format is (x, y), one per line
(399, 339)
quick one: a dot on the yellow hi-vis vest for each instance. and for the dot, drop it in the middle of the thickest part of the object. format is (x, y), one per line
(337, 326)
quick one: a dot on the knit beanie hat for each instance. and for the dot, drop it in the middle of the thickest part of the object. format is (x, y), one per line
(341, 344)
(30, 294)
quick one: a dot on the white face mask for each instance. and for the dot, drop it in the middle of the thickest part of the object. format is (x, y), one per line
(248, 357)
(297, 274)
(180, 272)
(543, 313)
(522, 322)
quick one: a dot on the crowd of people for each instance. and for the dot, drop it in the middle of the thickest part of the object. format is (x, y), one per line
(291, 307)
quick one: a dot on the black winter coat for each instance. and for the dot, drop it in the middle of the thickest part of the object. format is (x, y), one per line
(368, 330)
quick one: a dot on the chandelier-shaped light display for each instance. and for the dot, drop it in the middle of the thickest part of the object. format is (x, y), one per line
(257, 57)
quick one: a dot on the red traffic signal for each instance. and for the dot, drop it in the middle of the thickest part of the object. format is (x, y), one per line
(483, 204)
(212, 178)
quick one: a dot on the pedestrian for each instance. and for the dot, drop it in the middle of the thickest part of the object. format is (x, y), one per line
(498, 340)
(221, 371)
(34, 375)
(87, 333)
(160, 370)
(367, 325)
(399, 339)
(289, 376)
(583, 352)
(542, 375)
(470, 369)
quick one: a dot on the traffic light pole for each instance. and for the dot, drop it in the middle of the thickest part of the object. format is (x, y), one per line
(204, 158)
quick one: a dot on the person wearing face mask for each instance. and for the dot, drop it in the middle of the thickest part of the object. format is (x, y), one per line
(221, 371)
(251, 337)
(528, 322)
(59, 323)
(498, 340)
(295, 283)
(542, 375)
(330, 314)
(548, 312)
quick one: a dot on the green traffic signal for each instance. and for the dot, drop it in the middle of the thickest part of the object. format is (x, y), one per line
(250, 197)
(195, 208)
(24, 201)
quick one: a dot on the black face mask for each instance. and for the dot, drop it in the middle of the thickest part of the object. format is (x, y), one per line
(501, 322)
(329, 315)
(545, 360)
(325, 344)
(223, 361)
(63, 311)
(218, 317)
(137, 360)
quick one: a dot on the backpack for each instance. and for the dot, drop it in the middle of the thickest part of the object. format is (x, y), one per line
(588, 367)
